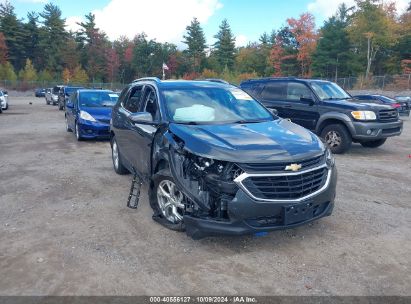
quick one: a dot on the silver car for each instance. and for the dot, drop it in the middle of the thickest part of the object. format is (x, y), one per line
(4, 100)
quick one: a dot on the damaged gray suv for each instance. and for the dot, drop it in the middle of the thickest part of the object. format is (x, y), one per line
(216, 161)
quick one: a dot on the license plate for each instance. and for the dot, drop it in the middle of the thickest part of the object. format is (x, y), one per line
(298, 213)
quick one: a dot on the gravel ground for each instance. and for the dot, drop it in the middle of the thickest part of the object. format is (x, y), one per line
(65, 228)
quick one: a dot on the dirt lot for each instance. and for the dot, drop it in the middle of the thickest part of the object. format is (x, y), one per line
(65, 228)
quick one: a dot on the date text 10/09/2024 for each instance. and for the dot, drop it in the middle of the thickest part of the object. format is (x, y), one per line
(203, 299)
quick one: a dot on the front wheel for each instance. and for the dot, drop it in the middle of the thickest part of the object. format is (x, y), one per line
(77, 132)
(68, 129)
(119, 168)
(374, 143)
(168, 201)
(337, 138)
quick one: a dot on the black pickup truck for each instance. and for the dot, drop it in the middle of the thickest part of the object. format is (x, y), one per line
(328, 110)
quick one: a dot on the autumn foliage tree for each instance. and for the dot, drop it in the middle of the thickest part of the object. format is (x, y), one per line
(306, 36)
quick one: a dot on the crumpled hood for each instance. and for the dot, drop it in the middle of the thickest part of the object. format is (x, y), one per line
(253, 142)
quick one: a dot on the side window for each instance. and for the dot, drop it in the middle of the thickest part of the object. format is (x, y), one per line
(274, 91)
(134, 100)
(296, 91)
(150, 103)
(123, 94)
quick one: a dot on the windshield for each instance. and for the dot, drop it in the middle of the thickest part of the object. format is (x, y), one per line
(97, 99)
(329, 91)
(213, 105)
(70, 90)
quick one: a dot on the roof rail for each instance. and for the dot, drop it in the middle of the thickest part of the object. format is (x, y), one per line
(156, 79)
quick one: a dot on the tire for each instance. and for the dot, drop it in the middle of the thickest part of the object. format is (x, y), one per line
(77, 132)
(337, 138)
(68, 129)
(168, 211)
(118, 166)
(374, 144)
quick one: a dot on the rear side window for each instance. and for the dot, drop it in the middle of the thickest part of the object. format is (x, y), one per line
(134, 101)
(274, 91)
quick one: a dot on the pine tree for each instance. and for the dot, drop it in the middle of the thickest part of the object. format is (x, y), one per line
(14, 33)
(196, 43)
(28, 73)
(333, 57)
(3, 49)
(32, 41)
(53, 37)
(225, 46)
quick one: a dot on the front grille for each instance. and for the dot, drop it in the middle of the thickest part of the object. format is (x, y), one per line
(106, 121)
(388, 115)
(280, 166)
(287, 186)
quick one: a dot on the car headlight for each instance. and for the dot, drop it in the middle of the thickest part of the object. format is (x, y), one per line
(86, 116)
(364, 115)
(329, 158)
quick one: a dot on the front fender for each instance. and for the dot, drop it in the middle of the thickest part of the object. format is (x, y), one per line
(343, 118)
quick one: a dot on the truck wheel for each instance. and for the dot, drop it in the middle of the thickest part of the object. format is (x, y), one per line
(337, 138)
(167, 201)
(374, 144)
(119, 168)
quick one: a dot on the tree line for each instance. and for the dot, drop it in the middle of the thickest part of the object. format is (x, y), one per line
(367, 39)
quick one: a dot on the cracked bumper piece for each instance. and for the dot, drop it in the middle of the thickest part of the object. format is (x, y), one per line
(248, 216)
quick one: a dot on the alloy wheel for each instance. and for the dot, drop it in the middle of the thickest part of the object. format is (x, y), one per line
(170, 201)
(333, 139)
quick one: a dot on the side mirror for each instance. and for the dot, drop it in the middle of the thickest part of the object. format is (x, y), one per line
(308, 100)
(141, 117)
(274, 111)
(70, 105)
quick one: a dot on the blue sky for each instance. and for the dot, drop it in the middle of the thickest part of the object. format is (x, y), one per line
(166, 19)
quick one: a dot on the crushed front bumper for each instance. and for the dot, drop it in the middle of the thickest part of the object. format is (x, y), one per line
(248, 216)
(91, 130)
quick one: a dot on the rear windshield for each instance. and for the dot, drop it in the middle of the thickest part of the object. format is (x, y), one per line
(56, 90)
(97, 99)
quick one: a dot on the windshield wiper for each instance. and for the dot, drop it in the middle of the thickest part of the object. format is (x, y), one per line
(244, 121)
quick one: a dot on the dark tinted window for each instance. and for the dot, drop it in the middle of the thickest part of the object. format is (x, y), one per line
(150, 103)
(56, 90)
(296, 91)
(134, 101)
(274, 91)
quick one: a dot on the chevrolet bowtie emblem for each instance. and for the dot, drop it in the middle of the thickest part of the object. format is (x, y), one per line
(293, 167)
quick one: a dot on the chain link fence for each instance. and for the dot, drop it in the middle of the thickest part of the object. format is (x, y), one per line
(385, 83)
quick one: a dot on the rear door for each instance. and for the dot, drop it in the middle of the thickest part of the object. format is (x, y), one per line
(273, 96)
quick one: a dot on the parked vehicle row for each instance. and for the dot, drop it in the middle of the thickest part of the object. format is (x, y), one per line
(402, 106)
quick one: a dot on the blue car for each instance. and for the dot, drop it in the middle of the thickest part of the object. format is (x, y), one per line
(88, 113)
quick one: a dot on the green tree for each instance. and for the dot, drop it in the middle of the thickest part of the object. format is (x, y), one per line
(79, 76)
(32, 40)
(28, 73)
(53, 37)
(371, 31)
(196, 42)
(45, 76)
(7, 72)
(14, 33)
(225, 46)
(333, 56)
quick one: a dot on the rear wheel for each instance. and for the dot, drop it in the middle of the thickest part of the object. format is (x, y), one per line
(337, 138)
(374, 143)
(119, 168)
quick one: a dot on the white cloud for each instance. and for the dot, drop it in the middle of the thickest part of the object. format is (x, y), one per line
(163, 20)
(241, 40)
(328, 8)
(71, 23)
